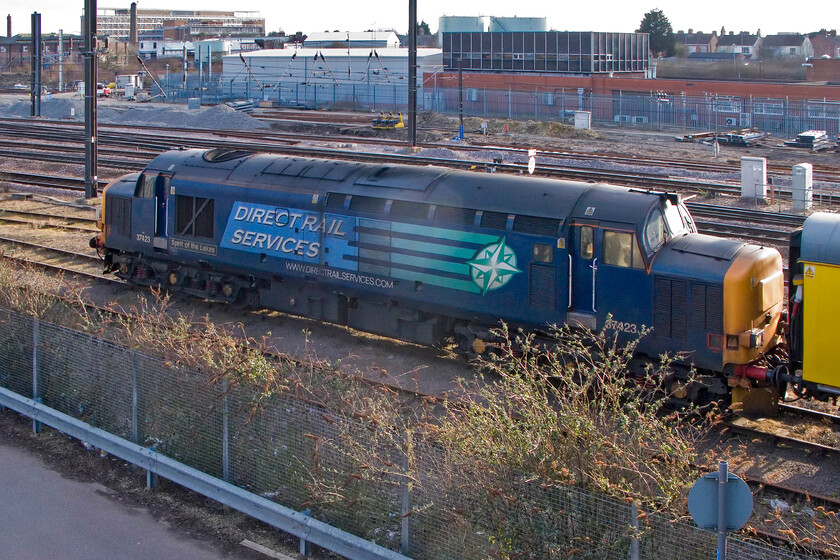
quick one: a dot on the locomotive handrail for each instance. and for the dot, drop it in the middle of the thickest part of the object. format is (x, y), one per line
(594, 266)
(571, 263)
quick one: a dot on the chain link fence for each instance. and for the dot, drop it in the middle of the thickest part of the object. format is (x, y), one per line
(652, 110)
(278, 451)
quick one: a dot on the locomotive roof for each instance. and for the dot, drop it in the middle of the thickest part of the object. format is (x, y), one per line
(821, 239)
(533, 196)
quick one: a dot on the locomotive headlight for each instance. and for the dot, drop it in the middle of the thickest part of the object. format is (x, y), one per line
(748, 339)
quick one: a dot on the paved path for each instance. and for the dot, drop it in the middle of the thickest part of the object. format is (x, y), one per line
(44, 516)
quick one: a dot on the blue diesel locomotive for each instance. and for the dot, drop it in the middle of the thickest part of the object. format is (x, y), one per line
(427, 253)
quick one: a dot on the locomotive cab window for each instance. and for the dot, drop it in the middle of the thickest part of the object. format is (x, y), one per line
(543, 253)
(621, 249)
(145, 186)
(194, 216)
(587, 242)
(654, 231)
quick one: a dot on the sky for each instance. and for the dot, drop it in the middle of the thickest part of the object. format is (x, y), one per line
(770, 16)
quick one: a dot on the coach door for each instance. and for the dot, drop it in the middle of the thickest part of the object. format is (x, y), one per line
(583, 263)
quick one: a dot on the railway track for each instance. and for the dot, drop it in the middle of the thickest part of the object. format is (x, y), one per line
(280, 143)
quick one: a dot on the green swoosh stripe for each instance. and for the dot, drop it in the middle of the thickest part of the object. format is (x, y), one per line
(463, 285)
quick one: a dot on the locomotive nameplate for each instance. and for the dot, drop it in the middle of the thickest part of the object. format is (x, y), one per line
(194, 246)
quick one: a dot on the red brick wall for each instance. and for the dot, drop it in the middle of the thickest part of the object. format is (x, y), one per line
(824, 70)
(606, 85)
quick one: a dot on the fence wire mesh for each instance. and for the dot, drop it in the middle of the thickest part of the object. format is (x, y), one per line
(645, 110)
(293, 452)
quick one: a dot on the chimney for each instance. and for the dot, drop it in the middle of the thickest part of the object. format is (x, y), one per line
(9, 25)
(132, 24)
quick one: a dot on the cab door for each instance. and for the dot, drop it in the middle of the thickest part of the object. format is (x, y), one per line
(585, 246)
(149, 209)
(161, 198)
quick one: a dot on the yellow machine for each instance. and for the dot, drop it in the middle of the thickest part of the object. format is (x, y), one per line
(388, 123)
(815, 304)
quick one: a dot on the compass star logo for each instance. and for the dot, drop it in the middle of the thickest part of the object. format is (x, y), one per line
(493, 266)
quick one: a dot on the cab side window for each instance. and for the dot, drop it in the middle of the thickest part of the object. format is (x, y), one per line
(145, 186)
(543, 253)
(587, 243)
(621, 249)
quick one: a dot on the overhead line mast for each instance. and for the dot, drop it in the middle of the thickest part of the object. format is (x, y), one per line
(412, 73)
(91, 179)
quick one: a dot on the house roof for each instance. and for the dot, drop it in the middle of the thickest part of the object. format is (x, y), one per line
(824, 44)
(693, 38)
(743, 39)
(353, 36)
(792, 40)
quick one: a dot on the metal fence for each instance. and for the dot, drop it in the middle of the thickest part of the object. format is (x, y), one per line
(275, 455)
(640, 110)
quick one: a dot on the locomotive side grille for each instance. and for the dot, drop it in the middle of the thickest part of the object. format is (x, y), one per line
(455, 215)
(367, 204)
(662, 308)
(670, 309)
(679, 318)
(336, 200)
(707, 307)
(495, 220)
(536, 225)
(698, 305)
(409, 210)
(118, 212)
(714, 309)
(542, 290)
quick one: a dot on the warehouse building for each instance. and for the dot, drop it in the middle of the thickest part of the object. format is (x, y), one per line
(563, 52)
(151, 24)
(313, 66)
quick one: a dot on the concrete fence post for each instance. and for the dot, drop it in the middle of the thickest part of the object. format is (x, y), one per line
(135, 397)
(225, 431)
(36, 396)
(634, 524)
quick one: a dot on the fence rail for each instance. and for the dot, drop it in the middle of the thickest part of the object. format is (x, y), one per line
(206, 438)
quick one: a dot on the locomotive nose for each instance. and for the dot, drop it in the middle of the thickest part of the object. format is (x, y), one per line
(753, 303)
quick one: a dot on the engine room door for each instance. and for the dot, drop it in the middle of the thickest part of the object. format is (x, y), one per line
(161, 197)
(584, 248)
